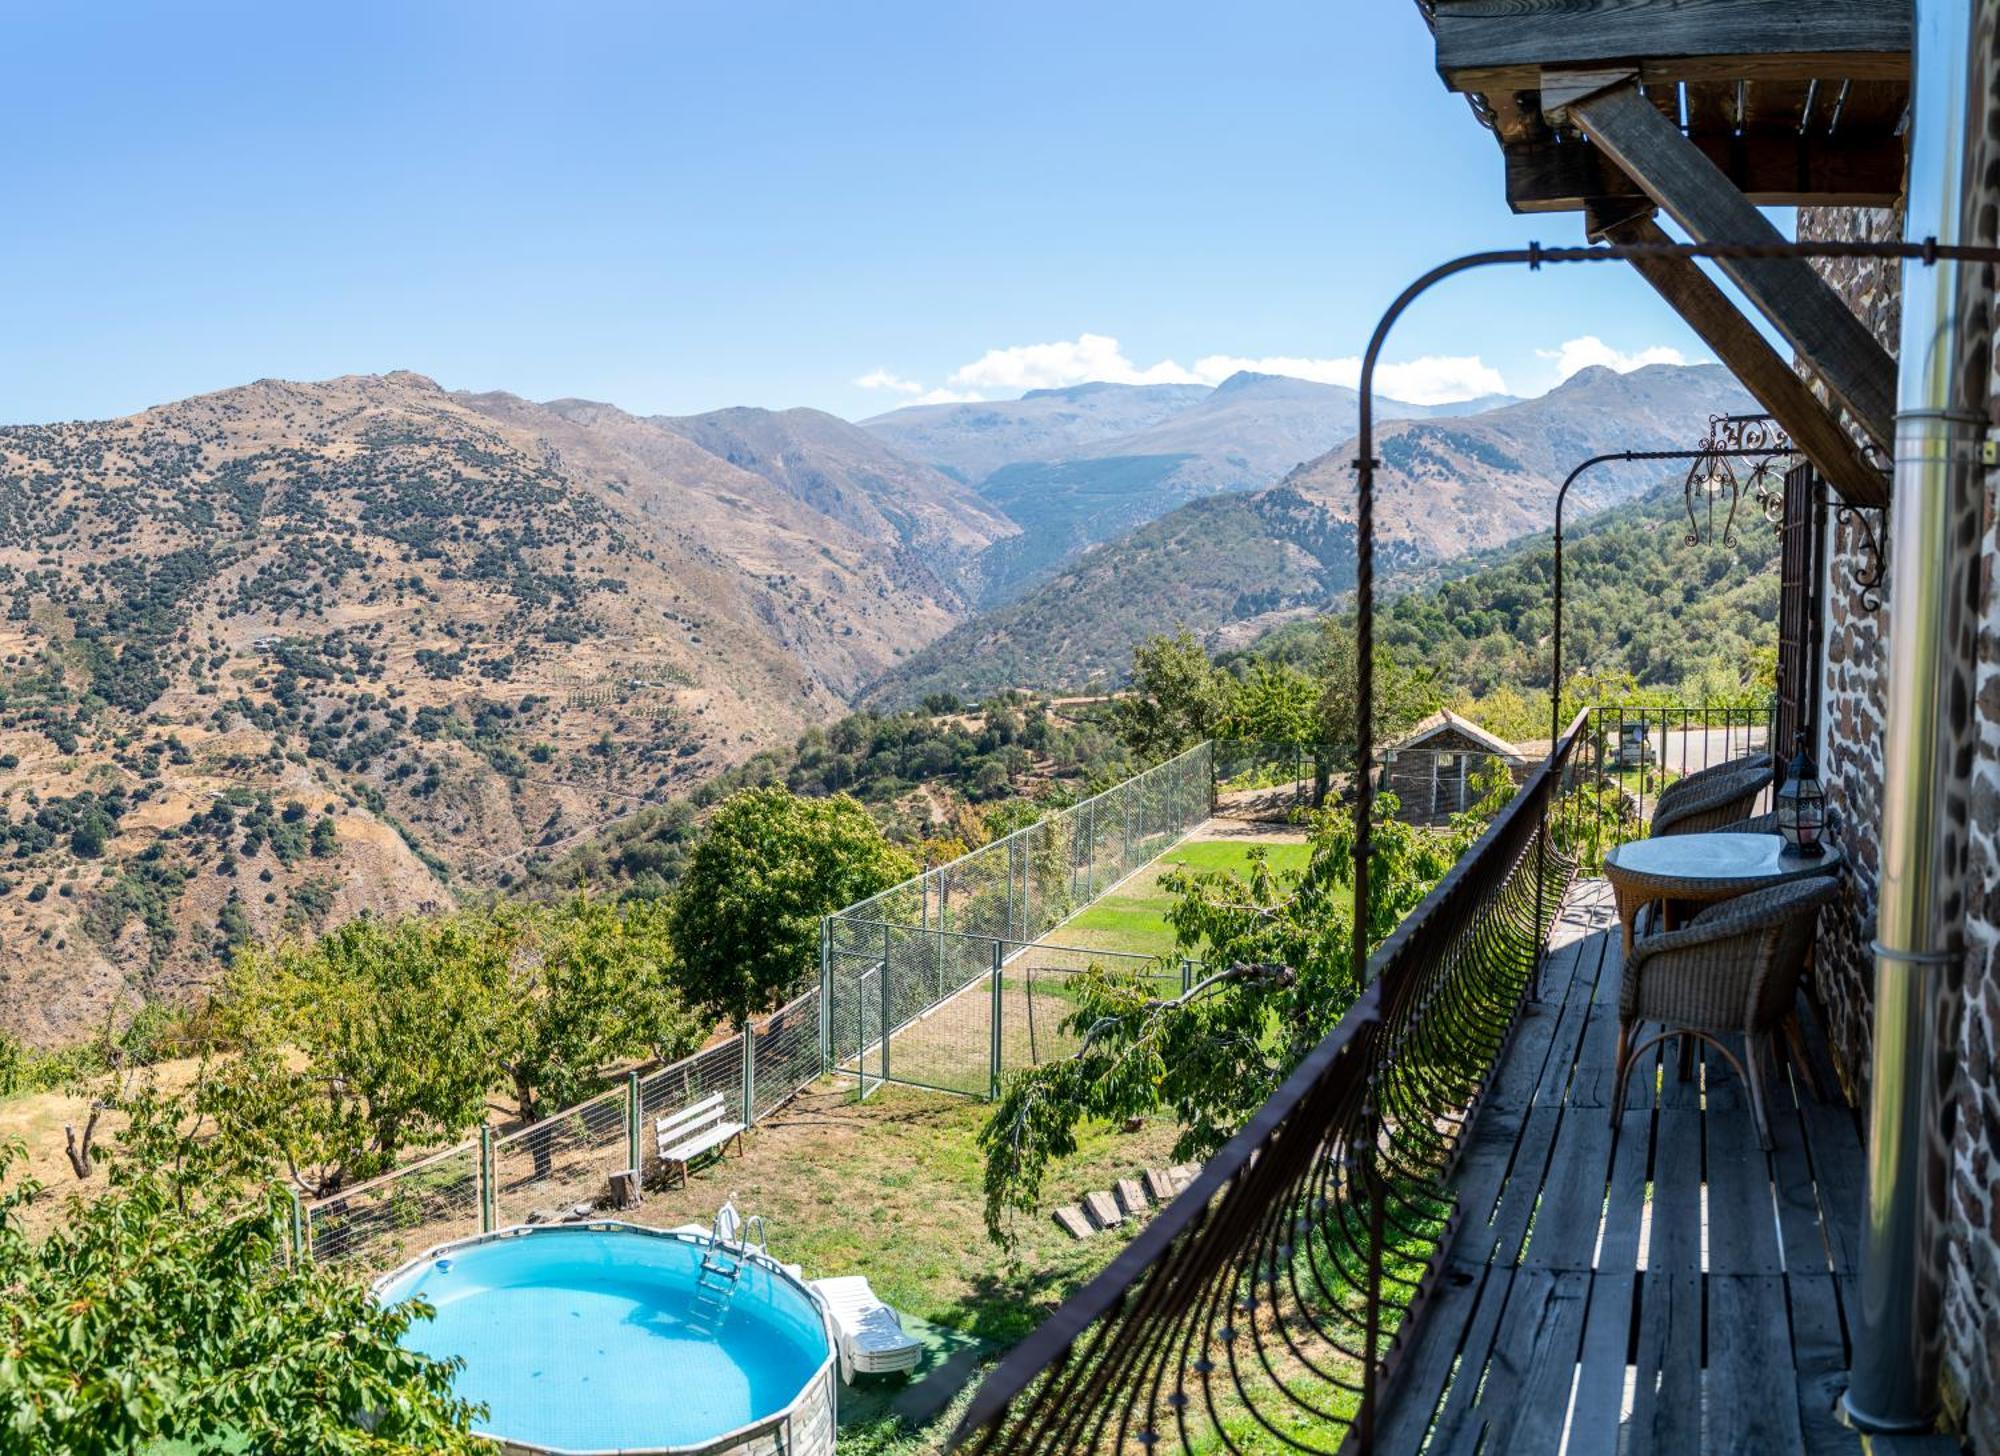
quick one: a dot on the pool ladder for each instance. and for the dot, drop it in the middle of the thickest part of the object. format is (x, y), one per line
(722, 1270)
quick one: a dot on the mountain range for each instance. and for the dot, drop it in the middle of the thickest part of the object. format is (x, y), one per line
(1234, 565)
(1079, 466)
(278, 655)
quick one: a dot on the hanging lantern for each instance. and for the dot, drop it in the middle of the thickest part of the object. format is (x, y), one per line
(1802, 805)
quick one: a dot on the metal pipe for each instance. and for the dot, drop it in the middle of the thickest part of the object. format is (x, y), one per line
(1934, 526)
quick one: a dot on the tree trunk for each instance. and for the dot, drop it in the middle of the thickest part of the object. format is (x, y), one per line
(78, 1148)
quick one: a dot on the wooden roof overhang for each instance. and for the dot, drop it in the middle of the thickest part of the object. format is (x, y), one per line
(1706, 110)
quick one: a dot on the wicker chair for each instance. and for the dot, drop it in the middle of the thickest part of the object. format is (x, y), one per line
(1733, 968)
(1717, 801)
(1686, 783)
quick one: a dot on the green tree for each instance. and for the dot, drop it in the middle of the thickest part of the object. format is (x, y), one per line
(593, 985)
(1404, 695)
(376, 1038)
(1281, 974)
(768, 867)
(1178, 697)
(1276, 702)
(162, 1316)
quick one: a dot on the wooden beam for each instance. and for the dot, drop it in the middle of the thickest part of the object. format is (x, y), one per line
(1800, 304)
(1497, 45)
(1707, 310)
(1771, 169)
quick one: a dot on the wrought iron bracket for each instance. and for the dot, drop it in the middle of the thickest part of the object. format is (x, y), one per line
(1868, 574)
(1761, 441)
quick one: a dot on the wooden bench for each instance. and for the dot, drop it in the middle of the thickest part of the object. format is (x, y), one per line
(702, 1128)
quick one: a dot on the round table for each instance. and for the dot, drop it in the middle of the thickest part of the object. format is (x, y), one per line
(1705, 867)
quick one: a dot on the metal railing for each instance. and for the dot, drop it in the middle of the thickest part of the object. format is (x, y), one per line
(1262, 1307)
(1630, 753)
(495, 1181)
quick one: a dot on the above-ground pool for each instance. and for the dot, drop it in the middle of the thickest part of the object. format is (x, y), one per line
(608, 1337)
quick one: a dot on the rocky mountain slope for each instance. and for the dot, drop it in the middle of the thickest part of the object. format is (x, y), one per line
(1070, 489)
(844, 472)
(1232, 566)
(272, 656)
(971, 441)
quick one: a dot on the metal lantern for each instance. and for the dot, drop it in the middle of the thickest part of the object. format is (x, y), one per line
(1802, 805)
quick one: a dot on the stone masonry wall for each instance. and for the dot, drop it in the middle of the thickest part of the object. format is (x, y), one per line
(1966, 1205)
(1852, 704)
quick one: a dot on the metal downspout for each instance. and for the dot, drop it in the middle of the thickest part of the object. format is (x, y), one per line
(1934, 531)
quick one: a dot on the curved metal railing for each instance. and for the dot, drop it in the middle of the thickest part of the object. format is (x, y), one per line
(1261, 1308)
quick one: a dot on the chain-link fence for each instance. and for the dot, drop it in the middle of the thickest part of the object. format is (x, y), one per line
(903, 973)
(1272, 782)
(546, 1170)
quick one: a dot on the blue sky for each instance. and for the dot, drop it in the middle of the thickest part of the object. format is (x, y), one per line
(677, 206)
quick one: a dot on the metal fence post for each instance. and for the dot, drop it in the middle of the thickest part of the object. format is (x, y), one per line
(298, 1227)
(884, 989)
(993, 1082)
(632, 1113)
(487, 1202)
(825, 993)
(749, 1073)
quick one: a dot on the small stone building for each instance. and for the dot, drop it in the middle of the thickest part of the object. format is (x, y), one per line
(1445, 766)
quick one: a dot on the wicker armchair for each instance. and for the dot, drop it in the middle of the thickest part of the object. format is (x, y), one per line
(1717, 801)
(1686, 783)
(1733, 968)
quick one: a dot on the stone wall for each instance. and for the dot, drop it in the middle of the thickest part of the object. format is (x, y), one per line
(1851, 701)
(1965, 1199)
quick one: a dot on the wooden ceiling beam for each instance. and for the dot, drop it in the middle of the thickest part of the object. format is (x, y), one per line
(1501, 45)
(1748, 355)
(1771, 169)
(1800, 304)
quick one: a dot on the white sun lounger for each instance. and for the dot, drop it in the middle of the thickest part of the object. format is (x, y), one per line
(871, 1337)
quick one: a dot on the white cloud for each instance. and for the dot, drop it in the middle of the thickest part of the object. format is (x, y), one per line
(1086, 359)
(1583, 353)
(883, 379)
(1095, 358)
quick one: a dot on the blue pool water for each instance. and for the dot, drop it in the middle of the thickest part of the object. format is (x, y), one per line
(593, 1339)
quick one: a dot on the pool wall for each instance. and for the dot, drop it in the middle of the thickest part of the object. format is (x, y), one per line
(806, 1427)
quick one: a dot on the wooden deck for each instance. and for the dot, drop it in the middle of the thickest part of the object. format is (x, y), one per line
(1662, 1286)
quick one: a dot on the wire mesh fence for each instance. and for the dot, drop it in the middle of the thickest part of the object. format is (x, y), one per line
(1270, 782)
(385, 1220)
(547, 1169)
(914, 952)
(549, 1166)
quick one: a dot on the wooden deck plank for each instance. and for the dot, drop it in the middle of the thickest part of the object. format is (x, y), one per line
(1674, 1243)
(1666, 1409)
(1742, 1225)
(1572, 1204)
(1453, 1320)
(1802, 1240)
(1819, 1363)
(1600, 1381)
(1752, 1396)
(1526, 1396)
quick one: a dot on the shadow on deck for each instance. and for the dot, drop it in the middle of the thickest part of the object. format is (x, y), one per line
(1664, 1285)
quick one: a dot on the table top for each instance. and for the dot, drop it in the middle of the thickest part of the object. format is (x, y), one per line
(1719, 857)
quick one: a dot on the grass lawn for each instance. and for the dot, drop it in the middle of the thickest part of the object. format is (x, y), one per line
(891, 1188)
(1134, 918)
